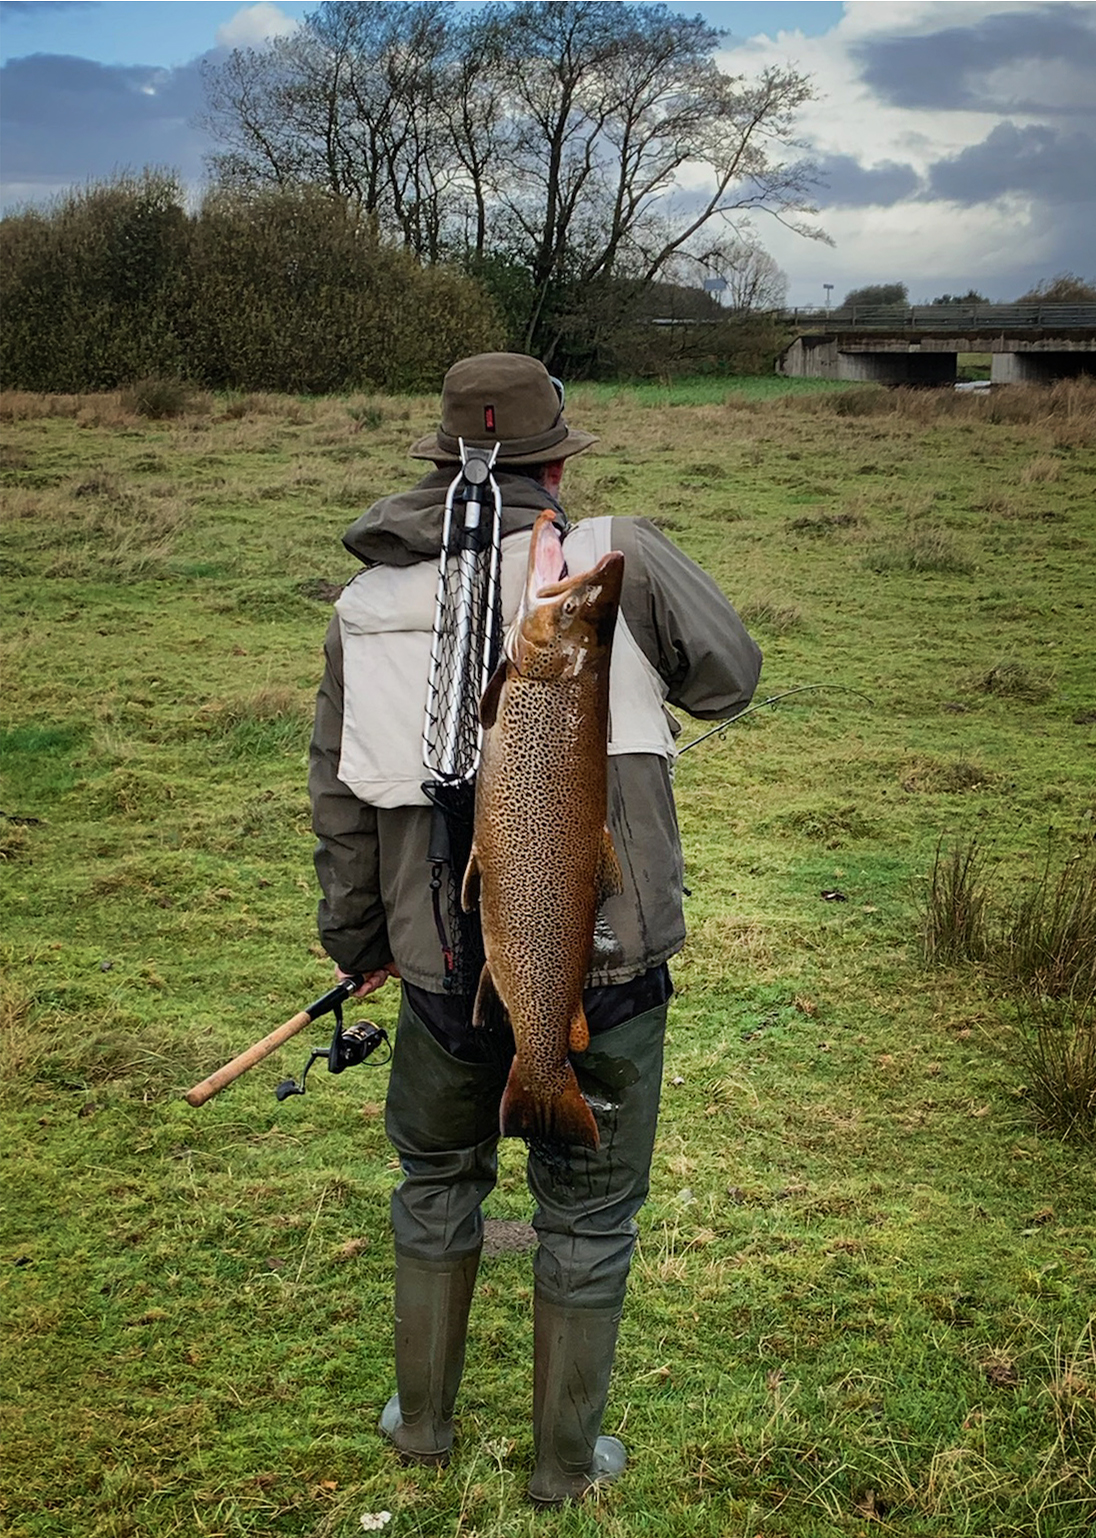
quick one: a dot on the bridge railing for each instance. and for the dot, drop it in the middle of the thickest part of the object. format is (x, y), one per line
(945, 317)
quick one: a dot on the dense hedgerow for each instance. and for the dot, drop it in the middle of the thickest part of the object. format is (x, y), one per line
(282, 291)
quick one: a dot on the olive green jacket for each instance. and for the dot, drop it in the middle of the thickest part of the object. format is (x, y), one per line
(372, 862)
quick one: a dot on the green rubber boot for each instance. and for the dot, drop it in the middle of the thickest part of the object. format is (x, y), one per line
(573, 1350)
(432, 1304)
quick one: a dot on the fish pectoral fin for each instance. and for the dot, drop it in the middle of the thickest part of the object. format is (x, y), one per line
(489, 1012)
(470, 886)
(580, 1032)
(564, 1119)
(610, 878)
(489, 699)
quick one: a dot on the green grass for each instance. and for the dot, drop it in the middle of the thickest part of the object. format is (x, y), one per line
(863, 1297)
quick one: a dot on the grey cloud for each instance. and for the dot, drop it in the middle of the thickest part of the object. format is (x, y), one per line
(68, 120)
(1055, 167)
(845, 183)
(948, 69)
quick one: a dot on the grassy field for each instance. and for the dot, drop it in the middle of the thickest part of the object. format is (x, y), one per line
(863, 1299)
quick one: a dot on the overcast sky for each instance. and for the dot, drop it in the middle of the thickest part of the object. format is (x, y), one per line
(957, 140)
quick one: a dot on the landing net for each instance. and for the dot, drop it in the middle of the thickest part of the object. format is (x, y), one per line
(463, 654)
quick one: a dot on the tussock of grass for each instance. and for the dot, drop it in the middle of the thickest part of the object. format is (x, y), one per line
(1009, 679)
(1048, 943)
(955, 915)
(1056, 1044)
(1039, 470)
(159, 399)
(21, 1042)
(126, 791)
(828, 824)
(819, 525)
(946, 777)
(771, 615)
(922, 549)
(1013, 680)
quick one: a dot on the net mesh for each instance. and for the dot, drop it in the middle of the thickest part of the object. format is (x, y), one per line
(467, 632)
(465, 650)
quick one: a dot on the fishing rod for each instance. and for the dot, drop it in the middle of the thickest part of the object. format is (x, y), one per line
(347, 1048)
(773, 699)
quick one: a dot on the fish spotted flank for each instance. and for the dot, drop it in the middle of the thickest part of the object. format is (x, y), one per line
(542, 859)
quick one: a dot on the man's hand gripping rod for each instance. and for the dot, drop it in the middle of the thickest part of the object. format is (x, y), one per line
(255, 1054)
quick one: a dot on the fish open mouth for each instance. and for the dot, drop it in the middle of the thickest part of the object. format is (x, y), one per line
(547, 566)
(549, 580)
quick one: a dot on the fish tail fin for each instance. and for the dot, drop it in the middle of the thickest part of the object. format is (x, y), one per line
(566, 1118)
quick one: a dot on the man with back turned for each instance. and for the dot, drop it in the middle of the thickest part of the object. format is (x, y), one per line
(677, 641)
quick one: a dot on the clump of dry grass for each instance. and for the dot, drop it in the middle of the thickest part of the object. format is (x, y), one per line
(160, 399)
(1040, 469)
(924, 548)
(273, 702)
(108, 526)
(27, 405)
(767, 613)
(819, 525)
(20, 1043)
(827, 823)
(948, 777)
(1009, 679)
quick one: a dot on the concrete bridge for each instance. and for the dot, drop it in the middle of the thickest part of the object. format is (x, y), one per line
(920, 345)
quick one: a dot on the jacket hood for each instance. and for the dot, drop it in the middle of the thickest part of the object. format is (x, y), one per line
(405, 528)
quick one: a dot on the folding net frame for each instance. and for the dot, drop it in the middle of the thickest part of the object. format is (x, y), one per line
(464, 653)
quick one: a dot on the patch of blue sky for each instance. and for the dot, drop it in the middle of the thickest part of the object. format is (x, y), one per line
(170, 33)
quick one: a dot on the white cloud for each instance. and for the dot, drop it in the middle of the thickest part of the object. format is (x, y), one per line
(910, 92)
(255, 25)
(933, 247)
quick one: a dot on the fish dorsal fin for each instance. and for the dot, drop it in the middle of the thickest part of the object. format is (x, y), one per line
(470, 888)
(489, 1012)
(489, 701)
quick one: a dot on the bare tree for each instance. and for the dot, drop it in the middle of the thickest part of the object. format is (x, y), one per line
(751, 278)
(630, 148)
(594, 146)
(350, 102)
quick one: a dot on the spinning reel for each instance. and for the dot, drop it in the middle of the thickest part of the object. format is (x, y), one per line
(346, 1049)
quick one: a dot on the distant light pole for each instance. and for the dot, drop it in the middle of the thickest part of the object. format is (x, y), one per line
(829, 290)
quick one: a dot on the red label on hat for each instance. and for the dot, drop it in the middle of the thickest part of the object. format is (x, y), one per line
(489, 418)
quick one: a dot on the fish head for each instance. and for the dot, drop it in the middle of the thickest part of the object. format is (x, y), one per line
(565, 621)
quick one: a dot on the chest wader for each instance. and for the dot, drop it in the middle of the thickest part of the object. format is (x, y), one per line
(442, 1119)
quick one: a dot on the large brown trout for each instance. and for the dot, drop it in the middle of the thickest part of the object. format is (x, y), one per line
(542, 858)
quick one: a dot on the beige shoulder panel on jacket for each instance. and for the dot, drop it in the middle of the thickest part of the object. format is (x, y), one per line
(385, 617)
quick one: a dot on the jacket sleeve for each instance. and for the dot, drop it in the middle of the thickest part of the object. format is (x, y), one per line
(684, 625)
(351, 916)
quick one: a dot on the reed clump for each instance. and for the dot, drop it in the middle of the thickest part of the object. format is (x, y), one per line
(1038, 952)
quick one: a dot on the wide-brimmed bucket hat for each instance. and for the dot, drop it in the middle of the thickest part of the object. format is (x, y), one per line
(505, 398)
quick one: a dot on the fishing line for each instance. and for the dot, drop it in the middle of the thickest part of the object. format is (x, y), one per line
(773, 699)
